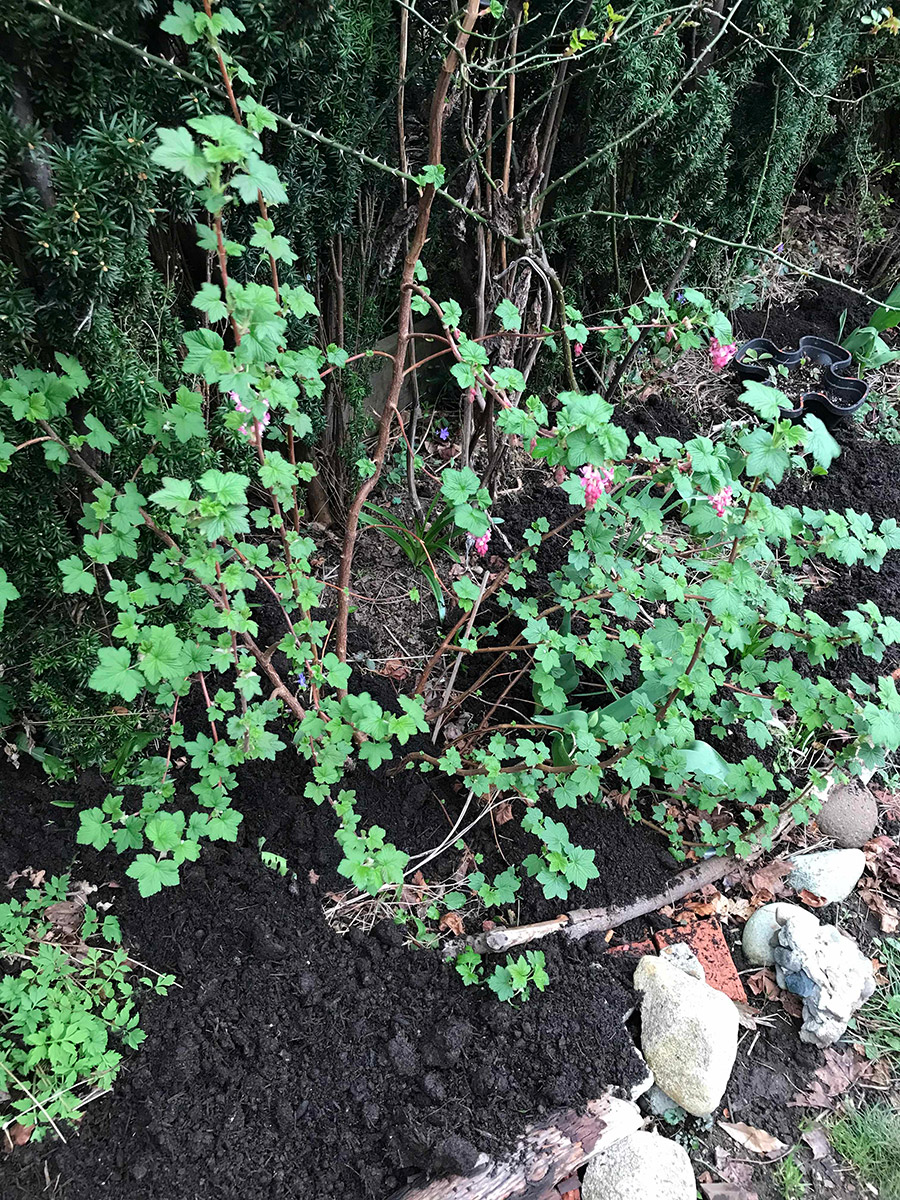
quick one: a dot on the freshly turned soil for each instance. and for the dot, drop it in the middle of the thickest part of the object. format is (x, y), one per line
(293, 1062)
(818, 312)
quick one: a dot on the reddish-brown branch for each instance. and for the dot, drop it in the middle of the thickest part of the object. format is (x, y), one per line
(30, 442)
(209, 705)
(404, 324)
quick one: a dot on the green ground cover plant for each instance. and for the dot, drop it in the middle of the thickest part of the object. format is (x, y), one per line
(878, 1022)
(67, 1005)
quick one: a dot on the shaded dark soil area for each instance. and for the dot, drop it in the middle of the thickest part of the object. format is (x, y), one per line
(865, 479)
(817, 312)
(656, 417)
(293, 1062)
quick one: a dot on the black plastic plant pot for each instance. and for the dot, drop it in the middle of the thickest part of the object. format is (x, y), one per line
(842, 394)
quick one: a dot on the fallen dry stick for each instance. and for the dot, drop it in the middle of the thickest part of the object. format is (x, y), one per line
(582, 921)
(545, 1154)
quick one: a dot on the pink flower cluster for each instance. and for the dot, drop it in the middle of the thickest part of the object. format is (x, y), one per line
(721, 355)
(481, 544)
(721, 500)
(596, 483)
(248, 429)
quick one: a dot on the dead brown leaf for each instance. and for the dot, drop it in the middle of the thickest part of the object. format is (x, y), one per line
(702, 908)
(791, 1004)
(810, 899)
(733, 1170)
(770, 877)
(753, 1139)
(454, 922)
(503, 813)
(888, 914)
(395, 669)
(833, 1080)
(890, 803)
(727, 907)
(762, 983)
(35, 878)
(727, 1191)
(465, 867)
(16, 1135)
(817, 1140)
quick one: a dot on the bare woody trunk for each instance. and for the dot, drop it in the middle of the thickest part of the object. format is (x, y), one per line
(404, 324)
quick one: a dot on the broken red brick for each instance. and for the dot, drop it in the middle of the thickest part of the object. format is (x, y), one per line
(639, 949)
(706, 939)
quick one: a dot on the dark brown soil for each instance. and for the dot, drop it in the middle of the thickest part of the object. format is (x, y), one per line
(865, 479)
(816, 312)
(293, 1062)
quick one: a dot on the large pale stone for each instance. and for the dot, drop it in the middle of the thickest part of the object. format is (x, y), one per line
(828, 970)
(641, 1166)
(689, 1034)
(759, 932)
(831, 874)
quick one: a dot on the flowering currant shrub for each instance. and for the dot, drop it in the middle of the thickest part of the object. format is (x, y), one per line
(678, 604)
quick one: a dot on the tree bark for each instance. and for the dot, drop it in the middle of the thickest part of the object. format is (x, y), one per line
(404, 323)
(545, 1155)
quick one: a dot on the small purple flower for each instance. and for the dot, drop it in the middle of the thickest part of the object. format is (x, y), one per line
(779, 248)
(301, 680)
(443, 433)
(679, 297)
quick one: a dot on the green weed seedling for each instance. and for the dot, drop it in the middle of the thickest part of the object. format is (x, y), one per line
(513, 981)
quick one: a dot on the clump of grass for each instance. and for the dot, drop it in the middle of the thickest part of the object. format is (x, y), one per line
(878, 1021)
(869, 1138)
(789, 1175)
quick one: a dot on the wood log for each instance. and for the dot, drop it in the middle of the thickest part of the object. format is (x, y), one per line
(582, 921)
(546, 1154)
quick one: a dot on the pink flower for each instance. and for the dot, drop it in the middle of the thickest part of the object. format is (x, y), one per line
(481, 544)
(596, 483)
(248, 429)
(670, 334)
(721, 500)
(721, 355)
(560, 474)
(578, 349)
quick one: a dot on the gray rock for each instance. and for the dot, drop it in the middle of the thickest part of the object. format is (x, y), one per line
(689, 1034)
(640, 1166)
(832, 874)
(685, 959)
(828, 970)
(660, 1104)
(760, 930)
(849, 815)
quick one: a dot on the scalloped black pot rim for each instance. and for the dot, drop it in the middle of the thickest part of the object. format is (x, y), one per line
(829, 354)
